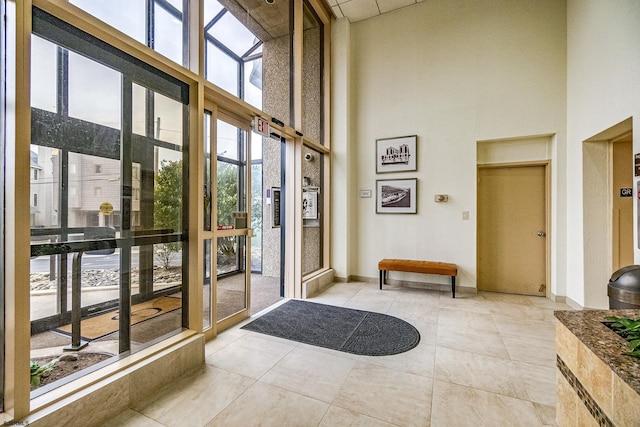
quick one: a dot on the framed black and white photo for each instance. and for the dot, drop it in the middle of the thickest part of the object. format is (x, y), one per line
(396, 154)
(396, 195)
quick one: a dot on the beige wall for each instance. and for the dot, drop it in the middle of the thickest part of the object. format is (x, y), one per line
(603, 74)
(454, 73)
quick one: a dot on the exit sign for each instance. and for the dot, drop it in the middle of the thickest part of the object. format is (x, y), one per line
(261, 126)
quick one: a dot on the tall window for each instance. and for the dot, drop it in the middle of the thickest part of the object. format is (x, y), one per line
(108, 227)
(233, 54)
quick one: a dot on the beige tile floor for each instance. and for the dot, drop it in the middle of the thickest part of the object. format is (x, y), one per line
(484, 359)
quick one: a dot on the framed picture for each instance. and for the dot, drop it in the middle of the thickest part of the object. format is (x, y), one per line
(309, 204)
(396, 154)
(396, 195)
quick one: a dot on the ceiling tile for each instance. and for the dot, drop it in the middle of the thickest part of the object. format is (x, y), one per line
(332, 2)
(389, 5)
(357, 10)
(337, 12)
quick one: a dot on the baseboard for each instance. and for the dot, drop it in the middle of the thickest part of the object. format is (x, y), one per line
(317, 284)
(363, 279)
(558, 298)
(571, 303)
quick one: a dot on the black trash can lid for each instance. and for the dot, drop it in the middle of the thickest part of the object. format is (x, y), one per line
(624, 270)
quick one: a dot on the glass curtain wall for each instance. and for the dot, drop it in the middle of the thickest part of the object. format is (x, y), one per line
(108, 206)
(160, 24)
(108, 167)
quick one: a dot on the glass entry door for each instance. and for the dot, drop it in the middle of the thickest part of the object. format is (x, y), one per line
(233, 220)
(242, 220)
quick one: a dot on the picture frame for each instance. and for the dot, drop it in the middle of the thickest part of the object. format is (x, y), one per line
(396, 154)
(309, 204)
(398, 196)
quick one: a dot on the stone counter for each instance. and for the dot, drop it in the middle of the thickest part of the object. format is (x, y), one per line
(597, 384)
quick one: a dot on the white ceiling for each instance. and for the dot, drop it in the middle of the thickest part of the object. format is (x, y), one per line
(357, 10)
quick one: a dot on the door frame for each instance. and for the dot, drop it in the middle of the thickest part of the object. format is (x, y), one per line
(547, 211)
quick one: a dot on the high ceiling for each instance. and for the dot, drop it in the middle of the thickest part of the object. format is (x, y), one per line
(357, 10)
(268, 19)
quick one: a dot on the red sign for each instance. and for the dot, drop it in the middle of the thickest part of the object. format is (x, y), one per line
(261, 126)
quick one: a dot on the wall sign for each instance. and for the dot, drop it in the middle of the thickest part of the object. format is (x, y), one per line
(626, 192)
(275, 207)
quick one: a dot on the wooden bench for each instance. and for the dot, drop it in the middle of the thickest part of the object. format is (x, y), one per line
(414, 266)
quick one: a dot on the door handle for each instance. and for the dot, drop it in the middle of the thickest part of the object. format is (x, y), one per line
(541, 234)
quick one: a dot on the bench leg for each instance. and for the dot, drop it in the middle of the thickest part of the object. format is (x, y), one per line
(381, 279)
(453, 286)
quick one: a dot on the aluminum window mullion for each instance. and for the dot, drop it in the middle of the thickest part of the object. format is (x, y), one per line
(168, 7)
(222, 47)
(214, 20)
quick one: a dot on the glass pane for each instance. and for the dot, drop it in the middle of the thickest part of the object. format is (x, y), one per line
(211, 9)
(256, 146)
(222, 70)
(139, 107)
(168, 119)
(256, 217)
(94, 92)
(233, 34)
(136, 195)
(127, 16)
(206, 292)
(208, 184)
(44, 74)
(45, 187)
(312, 212)
(93, 181)
(44, 281)
(312, 76)
(228, 188)
(227, 141)
(168, 191)
(168, 35)
(99, 270)
(167, 267)
(253, 83)
(232, 278)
